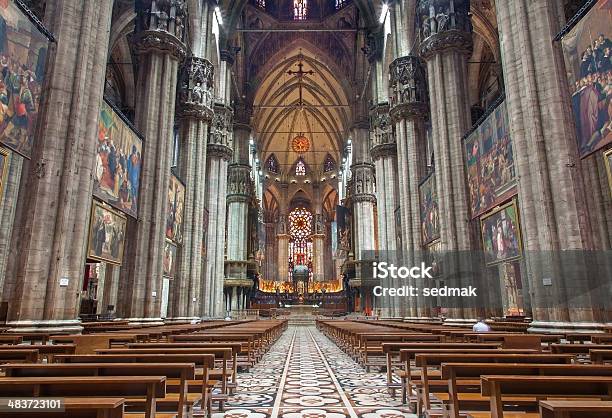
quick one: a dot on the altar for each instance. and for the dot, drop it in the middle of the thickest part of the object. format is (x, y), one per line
(310, 310)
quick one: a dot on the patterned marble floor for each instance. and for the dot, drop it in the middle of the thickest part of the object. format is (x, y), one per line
(305, 375)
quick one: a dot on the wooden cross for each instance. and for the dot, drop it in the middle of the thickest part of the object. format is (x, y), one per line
(300, 73)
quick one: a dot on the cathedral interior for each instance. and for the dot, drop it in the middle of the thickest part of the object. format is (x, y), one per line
(293, 176)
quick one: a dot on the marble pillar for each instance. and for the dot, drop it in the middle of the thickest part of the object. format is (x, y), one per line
(362, 201)
(318, 236)
(409, 108)
(282, 235)
(195, 110)
(384, 155)
(219, 154)
(49, 239)
(158, 43)
(446, 45)
(551, 193)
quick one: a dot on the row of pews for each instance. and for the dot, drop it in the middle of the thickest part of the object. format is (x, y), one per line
(446, 371)
(136, 372)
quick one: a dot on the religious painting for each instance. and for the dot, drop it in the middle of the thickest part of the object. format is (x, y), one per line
(433, 252)
(106, 234)
(169, 259)
(430, 222)
(490, 162)
(23, 56)
(118, 162)
(343, 222)
(501, 236)
(608, 163)
(4, 161)
(175, 209)
(511, 283)
(586, 49)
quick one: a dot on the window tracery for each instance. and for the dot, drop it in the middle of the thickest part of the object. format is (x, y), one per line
(300, 9)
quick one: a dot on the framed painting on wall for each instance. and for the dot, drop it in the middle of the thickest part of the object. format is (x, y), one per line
(430, 222)
(175, 209)
(4, 161)
(608, 162)
(23, 56)
(169, 260)
(118, 161)
(106, 234)
(489, 159)
(586, 49)
(501, 234)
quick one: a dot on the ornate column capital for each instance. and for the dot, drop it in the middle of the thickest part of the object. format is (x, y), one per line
(318, 224)
(381, 130)
(444, 24)
(229, 54)
(408, 82)
(282, 226)
(220, 138)
(374, 46)
(195, 92)
(362, 183)
(160, 27)
(239, 184)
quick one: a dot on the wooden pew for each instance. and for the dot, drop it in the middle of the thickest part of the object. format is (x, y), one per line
(10, 339)
(147, 387)
(601, 338)
(578, 348)
(600, 356)
(26, 356)
(428, 361)
(179, 402)
(392, 352)
(496, 387)
(78, 408)
(45, 352)
(408, 355)
(461, 379)
(370, 351)
(205, 362)
(89, 343)
(222, 354)
(575, 409)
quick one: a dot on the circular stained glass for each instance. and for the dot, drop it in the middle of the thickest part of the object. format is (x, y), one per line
(300, 224)
(300, 144)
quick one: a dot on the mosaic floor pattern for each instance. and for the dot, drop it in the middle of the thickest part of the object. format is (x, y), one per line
(305, 375)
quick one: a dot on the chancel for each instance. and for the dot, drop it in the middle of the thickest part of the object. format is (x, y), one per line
(306, 208)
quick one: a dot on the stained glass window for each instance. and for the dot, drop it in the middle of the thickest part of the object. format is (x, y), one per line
(272, 164)
(300, 8)
(300, 168)
(340, 4)
(329, 164)
(300, 243)
(261, 3)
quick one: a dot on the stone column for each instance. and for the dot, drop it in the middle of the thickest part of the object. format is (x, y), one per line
(51, 223)
(158, 42)
(384, 154)
(195, 113)
(318, 236)
(408, 112)
(363, 201)
(240, 189)
(446, 46)
(282, 235)
(219, 154)
(554, 216)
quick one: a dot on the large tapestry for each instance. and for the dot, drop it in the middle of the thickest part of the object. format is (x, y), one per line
(169, 260)
(118, 162)
(174, 211)
(106, 234)
(430, 222)
(501, 234)
(4, 160)
(490, 162)
(23, 55)
(343, 222)
(586, 50)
